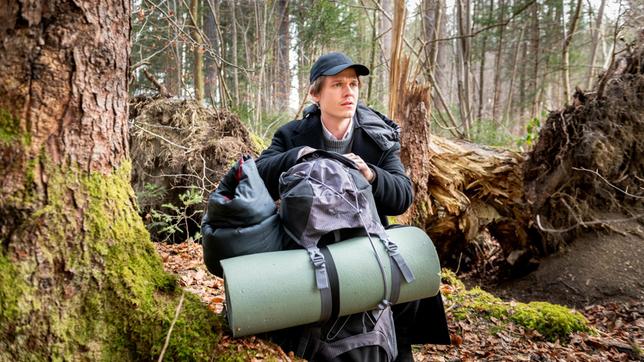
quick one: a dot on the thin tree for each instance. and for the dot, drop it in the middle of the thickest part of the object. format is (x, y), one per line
(565, 51)
(497, 63)
(596, 31)
(198, 49)
(396, 56)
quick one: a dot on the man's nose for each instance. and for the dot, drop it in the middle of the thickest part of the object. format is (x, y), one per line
(347, 90)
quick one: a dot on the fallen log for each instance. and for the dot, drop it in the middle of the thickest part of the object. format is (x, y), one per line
(587, 161)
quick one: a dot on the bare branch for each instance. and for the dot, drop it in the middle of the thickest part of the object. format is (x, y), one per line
(609, 184)
(585, 223)
(167, 337)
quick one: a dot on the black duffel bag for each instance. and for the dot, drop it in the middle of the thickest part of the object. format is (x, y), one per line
(241, 217)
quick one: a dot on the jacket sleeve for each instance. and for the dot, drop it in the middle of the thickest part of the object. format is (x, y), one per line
(274, 160)
(391, 189)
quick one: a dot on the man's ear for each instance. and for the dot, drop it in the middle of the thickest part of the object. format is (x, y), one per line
(316, 98)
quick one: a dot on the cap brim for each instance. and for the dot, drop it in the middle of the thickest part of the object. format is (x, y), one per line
(360, 69)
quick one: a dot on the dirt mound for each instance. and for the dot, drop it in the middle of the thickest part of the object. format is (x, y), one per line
(179, 146)
(598, 267)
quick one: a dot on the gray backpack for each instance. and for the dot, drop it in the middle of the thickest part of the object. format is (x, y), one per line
(323, 194)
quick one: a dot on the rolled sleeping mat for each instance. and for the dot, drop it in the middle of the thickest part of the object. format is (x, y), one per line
(271, 291)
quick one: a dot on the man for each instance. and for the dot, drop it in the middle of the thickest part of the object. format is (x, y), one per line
(338, 122)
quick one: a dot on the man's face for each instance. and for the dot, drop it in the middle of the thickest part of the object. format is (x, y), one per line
(338, 98)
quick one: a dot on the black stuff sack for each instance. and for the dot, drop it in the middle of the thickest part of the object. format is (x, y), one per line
(241, 217)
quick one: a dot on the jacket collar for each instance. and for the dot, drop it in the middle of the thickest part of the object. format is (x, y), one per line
(382, 130)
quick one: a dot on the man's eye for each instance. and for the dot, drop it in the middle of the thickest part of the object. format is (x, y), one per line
(354, 84)
(337, 85)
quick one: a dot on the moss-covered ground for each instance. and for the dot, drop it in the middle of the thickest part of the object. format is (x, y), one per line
(552, 321)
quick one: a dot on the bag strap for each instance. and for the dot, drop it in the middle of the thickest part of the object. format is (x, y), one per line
(334, 284)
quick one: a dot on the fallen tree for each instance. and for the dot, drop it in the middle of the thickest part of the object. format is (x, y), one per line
(587, 164)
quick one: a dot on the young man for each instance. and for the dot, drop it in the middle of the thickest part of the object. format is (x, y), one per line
(338, 122)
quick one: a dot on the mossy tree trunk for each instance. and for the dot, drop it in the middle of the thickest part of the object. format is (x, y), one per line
(79, 278)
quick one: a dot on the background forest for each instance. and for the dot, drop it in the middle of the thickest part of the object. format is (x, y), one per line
(495, 66)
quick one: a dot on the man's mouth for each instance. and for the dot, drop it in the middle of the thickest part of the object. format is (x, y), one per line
(346, 104)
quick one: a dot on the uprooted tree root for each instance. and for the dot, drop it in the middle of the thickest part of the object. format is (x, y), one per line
(588, 161)
(587, 164)
(177, 145)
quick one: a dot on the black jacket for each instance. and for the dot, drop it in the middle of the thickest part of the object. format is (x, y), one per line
(375, 140)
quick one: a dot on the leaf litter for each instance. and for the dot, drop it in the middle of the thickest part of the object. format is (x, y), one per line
(617, 329)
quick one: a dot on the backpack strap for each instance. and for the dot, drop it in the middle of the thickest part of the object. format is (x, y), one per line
(334, 283)
(392, 250)
(322, 282)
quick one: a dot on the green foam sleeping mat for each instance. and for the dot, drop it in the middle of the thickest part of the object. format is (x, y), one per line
(275, 290)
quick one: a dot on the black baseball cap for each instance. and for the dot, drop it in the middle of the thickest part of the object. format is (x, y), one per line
(333, 63)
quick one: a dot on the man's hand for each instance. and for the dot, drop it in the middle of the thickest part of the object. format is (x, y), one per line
(366, 171)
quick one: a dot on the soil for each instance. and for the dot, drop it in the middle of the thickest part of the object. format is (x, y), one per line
(598, 267)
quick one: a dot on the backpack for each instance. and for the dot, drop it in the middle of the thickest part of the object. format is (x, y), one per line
(322, 194)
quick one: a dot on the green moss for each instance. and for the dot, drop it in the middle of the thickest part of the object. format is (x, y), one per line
(10, 129)
(258, 144)
(12, 297)
(117, 302)
(550, 320)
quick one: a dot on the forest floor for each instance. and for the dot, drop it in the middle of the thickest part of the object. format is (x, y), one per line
(600, 274)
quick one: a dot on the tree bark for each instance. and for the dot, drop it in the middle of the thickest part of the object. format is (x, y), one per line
(479, 114)
(79, 277)
(535, 53)
(596, 32)
(283, 74)
(566, 50)
(396, 82)
(198, 50)
(497, 64)
(211, 62)
(463, 67)
(385, 30)
(235, 54)
(515, 66)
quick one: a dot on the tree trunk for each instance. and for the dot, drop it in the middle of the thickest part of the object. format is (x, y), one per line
(535, 53)
(565, 52)
(395, 71)
(523, 77)
(497, 64)
(211, 62)
(372, 56)
(177, 49)
(412, 115)
(198, 51)
(596, 32)
(515, 66)
(432, 16)
(479, 114)
(463, 67)
(283, 76)
(235, 54)
(385, 30)
(79, 277)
